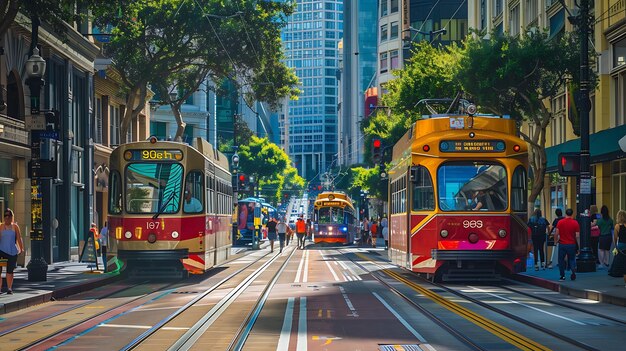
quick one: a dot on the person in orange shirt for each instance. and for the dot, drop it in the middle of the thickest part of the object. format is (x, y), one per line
(300, 232)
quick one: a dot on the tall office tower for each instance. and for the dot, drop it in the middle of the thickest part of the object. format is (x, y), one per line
(358, 54)
(310, 42)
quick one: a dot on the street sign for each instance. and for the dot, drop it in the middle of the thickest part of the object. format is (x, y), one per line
(585, 185)
(622, 143)
(42, 169)
(35, 122)
(46, 134)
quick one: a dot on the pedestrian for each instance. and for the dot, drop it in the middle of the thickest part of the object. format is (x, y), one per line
(619, 238)
(11, 246)
(96, 238)
(539, 230)
(385, 231)
(309, 229)
(373, 229)
(360, 233)
(606, 225)
(271, 232)
(595, 231)
(365, 231)
(300, 232)
(567, 235)
(281, 228)
(104, 242)
(552, 244)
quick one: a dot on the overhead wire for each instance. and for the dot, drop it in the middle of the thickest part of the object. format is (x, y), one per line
(450, 20)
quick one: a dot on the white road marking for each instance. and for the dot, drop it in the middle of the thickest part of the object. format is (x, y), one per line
(125, 326)
(528, 306)
(330, 268)
(299, 272)
(354, 275)
(404, 322)
(285, 333)
(302, 338)
(305, 276)
(348, 302)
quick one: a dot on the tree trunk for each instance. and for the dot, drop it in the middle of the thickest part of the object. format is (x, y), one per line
(135, 103)
(538, 161)
(179, 121)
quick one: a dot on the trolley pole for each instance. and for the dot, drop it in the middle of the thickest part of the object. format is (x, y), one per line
(585, 262)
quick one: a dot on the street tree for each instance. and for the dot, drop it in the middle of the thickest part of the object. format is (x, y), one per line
(512, 76)
(175, 46)
(430, 73)
(270, 166)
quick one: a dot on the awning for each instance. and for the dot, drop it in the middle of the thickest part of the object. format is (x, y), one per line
(603, 146)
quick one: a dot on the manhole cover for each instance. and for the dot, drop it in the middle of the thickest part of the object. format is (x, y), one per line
(399, 348)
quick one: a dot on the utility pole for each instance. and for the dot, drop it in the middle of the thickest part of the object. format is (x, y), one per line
(585, 262)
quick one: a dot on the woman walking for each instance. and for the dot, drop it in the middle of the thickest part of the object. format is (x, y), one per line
(11, 245)
(620, 238)
(605, 223)
(538, 226)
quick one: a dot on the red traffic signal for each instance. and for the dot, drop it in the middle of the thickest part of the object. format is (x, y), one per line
(243, 181)
(569, 164)
(377, 154)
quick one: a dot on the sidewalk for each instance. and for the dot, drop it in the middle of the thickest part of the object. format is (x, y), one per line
(598, 285)
(63, 279)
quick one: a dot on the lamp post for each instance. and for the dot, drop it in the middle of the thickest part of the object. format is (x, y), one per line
(235, 185)
(37, 267)
(585, 261)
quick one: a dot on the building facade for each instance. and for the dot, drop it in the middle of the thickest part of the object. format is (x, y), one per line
(68, 91)
(608, 100)
(357, 72)
(310, 125)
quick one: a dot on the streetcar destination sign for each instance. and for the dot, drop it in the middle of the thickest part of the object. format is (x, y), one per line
(331, 203)
(153, 155)
(472, 146)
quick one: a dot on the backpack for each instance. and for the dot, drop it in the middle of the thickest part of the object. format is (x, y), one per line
(538, 226)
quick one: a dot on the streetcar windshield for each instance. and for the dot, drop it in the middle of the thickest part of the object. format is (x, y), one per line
(330, 215)
(153, 187)
(472, 186)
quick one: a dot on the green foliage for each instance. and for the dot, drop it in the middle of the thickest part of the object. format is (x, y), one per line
(430, 73)
(270, 165)
(172, 43)
(512, 75)
(360, 178)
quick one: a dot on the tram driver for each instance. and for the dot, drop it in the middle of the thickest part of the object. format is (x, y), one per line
(191, 204)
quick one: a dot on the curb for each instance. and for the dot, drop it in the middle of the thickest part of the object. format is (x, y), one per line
(566, 290)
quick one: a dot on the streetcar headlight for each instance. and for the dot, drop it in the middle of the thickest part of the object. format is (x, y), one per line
(443, 233)
(344, 229)
(502, 233)
(330, 229)
(175, 234)
(128, 235)
(321, 233)
(138, 232)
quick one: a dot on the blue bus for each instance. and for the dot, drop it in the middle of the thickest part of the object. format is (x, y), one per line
(252, 214)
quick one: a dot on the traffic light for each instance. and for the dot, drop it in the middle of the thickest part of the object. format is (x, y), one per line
(569, 164)
(243, 181)
(377, 155)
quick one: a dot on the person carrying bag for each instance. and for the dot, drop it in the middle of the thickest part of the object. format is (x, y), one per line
(618, 267)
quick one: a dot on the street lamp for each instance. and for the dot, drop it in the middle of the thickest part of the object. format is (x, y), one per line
(585, 261)
(35, 69)
(37, 267)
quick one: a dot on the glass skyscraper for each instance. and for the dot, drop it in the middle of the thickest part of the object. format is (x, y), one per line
(309, 124)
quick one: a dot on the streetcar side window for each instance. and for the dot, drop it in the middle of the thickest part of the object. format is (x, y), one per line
(193, 200)
(115, 193)
(519, 190)
(423, 192)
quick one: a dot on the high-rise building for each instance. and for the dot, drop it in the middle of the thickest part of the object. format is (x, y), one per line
(310, 123)
(357, 68)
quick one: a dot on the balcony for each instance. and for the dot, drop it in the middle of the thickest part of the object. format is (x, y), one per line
(12, 131)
